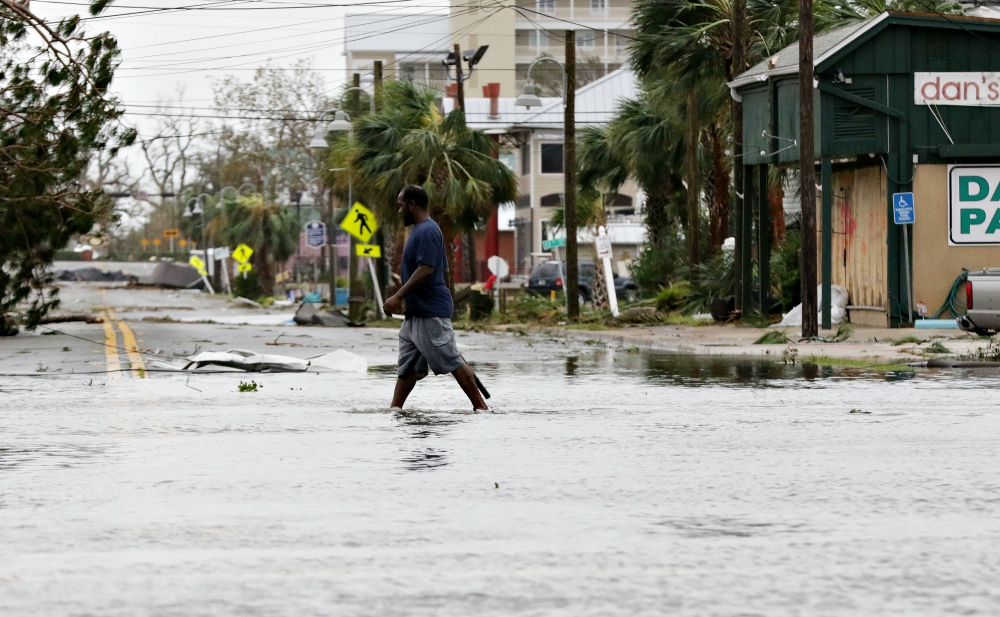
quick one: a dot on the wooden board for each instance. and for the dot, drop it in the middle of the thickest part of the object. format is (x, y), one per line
(860, 262)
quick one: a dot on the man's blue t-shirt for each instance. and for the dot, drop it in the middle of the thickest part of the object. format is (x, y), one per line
(425, 246)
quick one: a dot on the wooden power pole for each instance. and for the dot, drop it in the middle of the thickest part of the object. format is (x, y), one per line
(460, 90)
(736, 112)
(572, 285)
(807, 171)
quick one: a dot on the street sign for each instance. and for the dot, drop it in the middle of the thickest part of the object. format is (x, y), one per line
(242, 253)
(360, 222)
(156, 241)
(315, 234)
(902, 208)
(603, 243)
(221, 253)
(144, 242)
(244, 268)
(171, 233)
(368, 250)
(555, 243)
(182, 242)
(198, 264)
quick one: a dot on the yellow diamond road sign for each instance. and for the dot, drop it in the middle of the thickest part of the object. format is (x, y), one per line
(198, 264)
(242, 253)
(244, 267)
(360, 222)
(368, 250)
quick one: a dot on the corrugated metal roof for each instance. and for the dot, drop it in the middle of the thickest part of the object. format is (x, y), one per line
(397, 32)
(596, 103)
(787, 60)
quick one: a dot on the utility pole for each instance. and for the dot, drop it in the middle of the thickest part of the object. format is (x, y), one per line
(380, 263)
(736, 111)
(807, 171)
(460, 95)
(572, 285)
(356, 295)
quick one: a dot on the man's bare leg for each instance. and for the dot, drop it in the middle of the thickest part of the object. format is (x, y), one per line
(467, 379)
(404, 385)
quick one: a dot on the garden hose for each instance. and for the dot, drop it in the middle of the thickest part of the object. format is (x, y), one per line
(949, 302)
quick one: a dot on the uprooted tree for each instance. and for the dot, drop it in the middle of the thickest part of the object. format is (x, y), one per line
(55, 113)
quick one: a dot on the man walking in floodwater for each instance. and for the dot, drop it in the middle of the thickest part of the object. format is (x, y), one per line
(426, 338)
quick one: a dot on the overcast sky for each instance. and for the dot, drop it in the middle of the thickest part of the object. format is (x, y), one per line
(166, 50)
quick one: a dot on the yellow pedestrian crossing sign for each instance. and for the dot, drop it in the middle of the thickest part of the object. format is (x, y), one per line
(244, 268)
(360, 222)
(242, 254)
(368, 250)
(198, 264)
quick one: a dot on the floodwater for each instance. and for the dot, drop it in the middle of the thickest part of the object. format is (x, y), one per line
(607, 483)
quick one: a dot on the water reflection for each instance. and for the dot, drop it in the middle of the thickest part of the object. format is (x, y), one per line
(572, 364)
(425, 427)
(55, 455)
(691, 370)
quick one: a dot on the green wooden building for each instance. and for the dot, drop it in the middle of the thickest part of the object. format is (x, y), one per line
(904, 103)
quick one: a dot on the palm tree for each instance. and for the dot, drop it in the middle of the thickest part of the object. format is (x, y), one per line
(271, 231)
(410, 141)
(646, 142)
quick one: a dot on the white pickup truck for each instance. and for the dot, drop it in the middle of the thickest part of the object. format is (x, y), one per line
(982, 293)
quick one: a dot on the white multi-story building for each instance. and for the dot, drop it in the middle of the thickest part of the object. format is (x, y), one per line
(410, 46)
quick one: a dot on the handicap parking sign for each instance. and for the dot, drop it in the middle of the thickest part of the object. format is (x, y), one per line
(902, 208)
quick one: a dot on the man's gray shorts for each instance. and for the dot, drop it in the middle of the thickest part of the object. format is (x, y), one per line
(427, 341)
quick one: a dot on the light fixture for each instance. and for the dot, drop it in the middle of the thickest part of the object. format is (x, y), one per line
(340, 124)
(197, 208)
(318, 140)
(529, 99)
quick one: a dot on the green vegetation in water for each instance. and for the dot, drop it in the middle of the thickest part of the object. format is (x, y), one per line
(251, 386)
(850, 363)
(773, 337)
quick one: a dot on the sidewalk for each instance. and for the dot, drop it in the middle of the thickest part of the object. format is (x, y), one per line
(865, 345)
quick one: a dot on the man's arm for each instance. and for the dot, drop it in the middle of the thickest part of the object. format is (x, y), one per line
(421, 276)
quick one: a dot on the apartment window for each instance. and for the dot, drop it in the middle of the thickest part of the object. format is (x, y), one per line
(597, 6)
(537, 39)
(621, 43)
(585, 38)
(552, 158)
(546, 6)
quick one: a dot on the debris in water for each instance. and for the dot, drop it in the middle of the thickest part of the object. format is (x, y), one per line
(249, 387)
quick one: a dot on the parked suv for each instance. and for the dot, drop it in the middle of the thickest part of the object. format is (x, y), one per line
(547, 277)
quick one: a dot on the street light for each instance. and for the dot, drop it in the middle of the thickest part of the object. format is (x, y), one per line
(529, 99)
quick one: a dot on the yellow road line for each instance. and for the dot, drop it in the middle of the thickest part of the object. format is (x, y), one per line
(111, 345)
(134, 357)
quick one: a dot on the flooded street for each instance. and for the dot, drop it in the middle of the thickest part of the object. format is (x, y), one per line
(609, 482)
